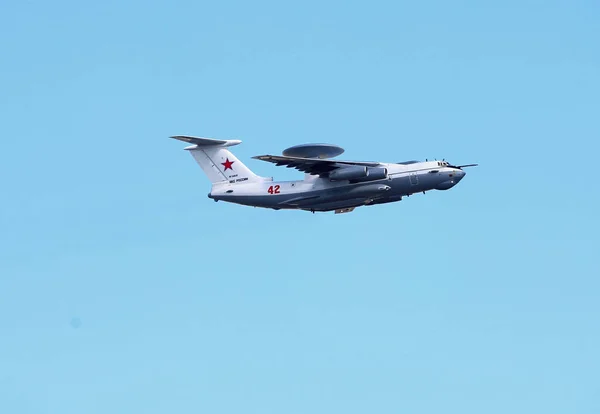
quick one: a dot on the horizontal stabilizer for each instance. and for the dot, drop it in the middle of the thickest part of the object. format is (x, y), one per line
(207, 142)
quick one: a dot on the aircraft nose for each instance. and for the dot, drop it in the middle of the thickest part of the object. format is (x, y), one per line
(454, 175)
(459, 174)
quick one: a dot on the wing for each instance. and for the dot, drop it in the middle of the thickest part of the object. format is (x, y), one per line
(315, 166)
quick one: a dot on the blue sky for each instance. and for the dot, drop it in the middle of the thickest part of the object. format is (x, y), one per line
(479, 299)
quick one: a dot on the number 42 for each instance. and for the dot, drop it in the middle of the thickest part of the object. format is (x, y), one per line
(273, 189)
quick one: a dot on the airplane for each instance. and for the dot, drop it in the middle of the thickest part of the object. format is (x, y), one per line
(328, 185)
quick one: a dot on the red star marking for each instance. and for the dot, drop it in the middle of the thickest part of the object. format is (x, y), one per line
(227, 164)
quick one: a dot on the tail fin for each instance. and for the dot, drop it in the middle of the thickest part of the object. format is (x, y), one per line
(217, 162)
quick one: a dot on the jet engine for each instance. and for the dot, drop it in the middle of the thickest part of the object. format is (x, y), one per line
(375, 174)
(348, 173)
(358, 174)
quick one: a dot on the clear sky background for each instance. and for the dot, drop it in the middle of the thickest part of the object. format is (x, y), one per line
(124, 289)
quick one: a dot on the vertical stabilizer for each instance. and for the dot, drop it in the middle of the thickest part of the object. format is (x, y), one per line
(218, 163)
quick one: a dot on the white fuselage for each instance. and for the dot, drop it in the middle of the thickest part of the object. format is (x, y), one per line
(321, 194)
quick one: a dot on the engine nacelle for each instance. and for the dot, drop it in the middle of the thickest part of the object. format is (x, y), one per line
(349, 173)
(358, 174)
(375, 174)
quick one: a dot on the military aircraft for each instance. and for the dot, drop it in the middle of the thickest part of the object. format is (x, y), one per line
(328, 185)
